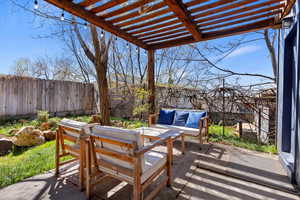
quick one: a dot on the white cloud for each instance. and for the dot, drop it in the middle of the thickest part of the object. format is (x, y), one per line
(244, 50)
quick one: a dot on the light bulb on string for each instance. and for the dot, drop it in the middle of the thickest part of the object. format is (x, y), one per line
(136, 49)
(102, 33)
(127, 45)
(36, 4)
(62, 17)
(85, 25)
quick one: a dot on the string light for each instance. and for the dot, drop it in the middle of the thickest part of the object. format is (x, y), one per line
(127, 45)
(102, 34)
(62, 17)
(85, 25)
(136, 49)
(36, 4)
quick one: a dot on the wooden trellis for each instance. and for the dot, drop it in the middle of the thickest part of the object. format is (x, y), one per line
(155, 24)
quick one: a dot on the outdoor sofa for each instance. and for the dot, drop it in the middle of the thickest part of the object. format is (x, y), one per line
(193, 123)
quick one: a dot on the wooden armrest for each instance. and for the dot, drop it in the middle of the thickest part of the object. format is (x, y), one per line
(154, 144)
(205, 119)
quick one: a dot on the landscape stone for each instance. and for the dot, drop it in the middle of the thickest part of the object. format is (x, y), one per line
(28, 136)
(49, 135)
(6, 146)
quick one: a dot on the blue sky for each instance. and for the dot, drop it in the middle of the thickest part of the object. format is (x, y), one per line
(19, 39)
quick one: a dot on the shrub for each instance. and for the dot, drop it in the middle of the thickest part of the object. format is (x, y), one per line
(141, 106)
(42, 116)
(53, 124)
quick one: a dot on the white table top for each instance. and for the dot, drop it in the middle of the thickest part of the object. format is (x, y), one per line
(159, 132)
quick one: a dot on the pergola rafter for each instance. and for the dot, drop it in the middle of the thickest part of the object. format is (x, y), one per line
(153, 24)
(184, 16)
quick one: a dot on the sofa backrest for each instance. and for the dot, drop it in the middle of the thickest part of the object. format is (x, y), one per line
(117, 134)
(180, 117)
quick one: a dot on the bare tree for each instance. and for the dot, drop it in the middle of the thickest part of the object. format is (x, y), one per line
(99, 57)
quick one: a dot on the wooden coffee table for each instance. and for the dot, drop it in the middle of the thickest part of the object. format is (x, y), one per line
(158, 133)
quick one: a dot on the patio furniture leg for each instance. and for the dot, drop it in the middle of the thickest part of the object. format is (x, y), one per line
(88, 170)
(81, 164)
(169, 162)
(182, 144)
(57, 153)
(137, 189)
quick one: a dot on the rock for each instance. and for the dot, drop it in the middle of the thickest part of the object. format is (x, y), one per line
(49, 135)
(45, 126)
(28, 136)
(6, 146)
(95, 119)
(12, 132)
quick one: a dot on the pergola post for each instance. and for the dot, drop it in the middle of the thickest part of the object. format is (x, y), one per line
(151, 81)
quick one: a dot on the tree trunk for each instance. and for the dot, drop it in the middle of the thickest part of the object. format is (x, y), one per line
(103, 94)
(271, 49)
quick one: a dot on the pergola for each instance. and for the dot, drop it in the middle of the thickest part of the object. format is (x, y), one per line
(156, 24)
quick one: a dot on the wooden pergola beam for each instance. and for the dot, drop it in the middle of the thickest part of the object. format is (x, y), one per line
(288, 8)
(263, 24)
(184, 16)
(79, 11)
(151, 80)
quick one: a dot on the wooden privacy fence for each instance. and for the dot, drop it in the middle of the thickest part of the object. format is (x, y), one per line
(24, 96)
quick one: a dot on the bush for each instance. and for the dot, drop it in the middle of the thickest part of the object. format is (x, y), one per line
(42, 116)
(53, 124)
(141, 106)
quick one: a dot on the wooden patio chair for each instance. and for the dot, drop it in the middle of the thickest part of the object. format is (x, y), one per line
(119, 153)
(69, 143)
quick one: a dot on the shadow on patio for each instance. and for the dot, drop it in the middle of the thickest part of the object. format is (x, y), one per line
(210, 173)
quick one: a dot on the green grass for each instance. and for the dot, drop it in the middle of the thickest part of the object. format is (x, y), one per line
(230, 138)
(26, 162)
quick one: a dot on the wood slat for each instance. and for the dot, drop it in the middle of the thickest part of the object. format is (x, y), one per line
(184, 16)
(161, 30)
(268, 9)
(267, 23)
(195, 2)
(152, 22)
(233, 12)
(147, 17)
(98, 21)
(168, 37)
(224, 8)
(163, 34)
(247, 19)
(87, 3)
(136, 13)
(126, 8)
(211, 5)
(219, 34)
(107, 5)
(155, 27)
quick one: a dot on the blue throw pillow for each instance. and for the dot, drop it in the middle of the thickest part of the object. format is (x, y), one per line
(180, 118)
(193, 119)
(166, 117)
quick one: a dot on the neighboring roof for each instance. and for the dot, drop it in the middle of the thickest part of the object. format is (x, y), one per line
(155, 24)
